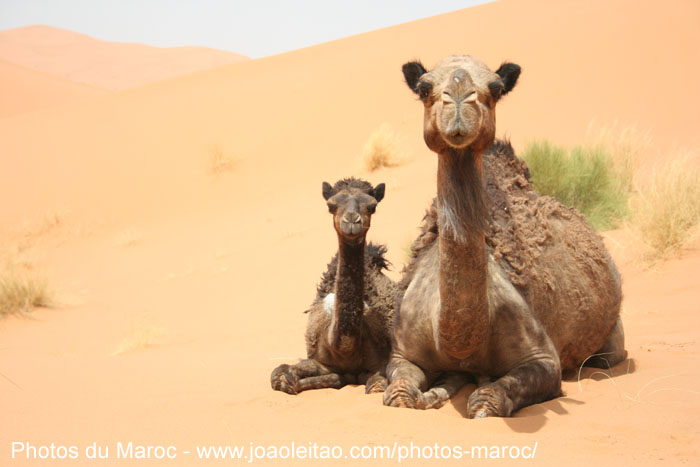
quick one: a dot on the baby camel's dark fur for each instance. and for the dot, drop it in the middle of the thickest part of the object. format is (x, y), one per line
(349, 326)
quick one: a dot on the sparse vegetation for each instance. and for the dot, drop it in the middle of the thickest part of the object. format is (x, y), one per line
(627, 146)
(667, 206)
(129, 237)
(219, 161)
(585, 178)
(144, 333)
(20, 292)
(381, 149)
(608, 181)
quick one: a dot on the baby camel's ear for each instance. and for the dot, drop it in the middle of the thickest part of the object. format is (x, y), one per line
(379, 192)
(327, 190)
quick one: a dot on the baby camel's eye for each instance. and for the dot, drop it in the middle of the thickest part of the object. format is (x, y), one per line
(372, 207)
(332, 207)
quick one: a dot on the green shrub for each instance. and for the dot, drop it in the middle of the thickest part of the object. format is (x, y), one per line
(584, 178)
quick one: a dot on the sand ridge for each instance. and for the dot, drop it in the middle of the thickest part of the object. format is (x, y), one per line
(103, 64)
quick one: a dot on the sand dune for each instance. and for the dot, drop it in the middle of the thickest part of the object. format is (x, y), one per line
(182, 287)
(25, 90)
(109, 65)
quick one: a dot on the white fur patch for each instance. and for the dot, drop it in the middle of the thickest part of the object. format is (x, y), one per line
(329, 303)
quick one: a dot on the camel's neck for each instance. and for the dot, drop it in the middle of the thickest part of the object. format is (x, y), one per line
(462, 218)
(349, 293)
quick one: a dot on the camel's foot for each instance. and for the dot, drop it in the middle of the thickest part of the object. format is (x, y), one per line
(435, 398)
(489, 401)
(401, 393)
(444, 388)
(376, 384)
(284, 379)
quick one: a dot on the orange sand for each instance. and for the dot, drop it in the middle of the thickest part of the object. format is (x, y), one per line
(25, 90)
(181, 289)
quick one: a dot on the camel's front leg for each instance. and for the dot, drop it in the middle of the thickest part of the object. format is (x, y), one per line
(407, 382)
(307, 374)
(530, 383)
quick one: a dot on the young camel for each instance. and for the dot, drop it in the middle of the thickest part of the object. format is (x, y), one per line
(348, 335)
(505, 285)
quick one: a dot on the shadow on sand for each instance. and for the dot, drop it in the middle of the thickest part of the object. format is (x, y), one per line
(532, 418)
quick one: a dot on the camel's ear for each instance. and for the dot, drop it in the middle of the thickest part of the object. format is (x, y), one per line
(412, 71)
(379, 192)
(327, 190)
(509, 73)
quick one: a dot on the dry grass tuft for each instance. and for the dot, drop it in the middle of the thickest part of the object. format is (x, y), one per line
(666, 207)
(381, 149)
(219, 161)
(665, 197)
(20, 292)
(628, 147)
(143, 334)
(129, 237)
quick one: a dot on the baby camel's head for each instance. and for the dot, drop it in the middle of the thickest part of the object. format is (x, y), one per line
(352, 202)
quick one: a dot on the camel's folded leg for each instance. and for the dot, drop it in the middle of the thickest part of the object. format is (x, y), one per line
(612, 352)
(444, 388)
(407, 381)
(530, 383)
(331, 380)
(286, 378)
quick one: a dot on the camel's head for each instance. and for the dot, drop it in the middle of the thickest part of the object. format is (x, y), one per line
(352, 202)
(460, 96)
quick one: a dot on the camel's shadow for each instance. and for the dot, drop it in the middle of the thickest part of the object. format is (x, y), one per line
(527, 420)
(625, 367)
(534, 417)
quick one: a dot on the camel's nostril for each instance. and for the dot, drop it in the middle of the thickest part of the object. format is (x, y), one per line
(457, 132)
(352, 218)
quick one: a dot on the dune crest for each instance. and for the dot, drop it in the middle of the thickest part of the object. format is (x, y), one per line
(102, 64)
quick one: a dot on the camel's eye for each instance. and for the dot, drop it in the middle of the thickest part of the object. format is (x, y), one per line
(332, 207)
(424, 90)
(372, 207)
(496, 89)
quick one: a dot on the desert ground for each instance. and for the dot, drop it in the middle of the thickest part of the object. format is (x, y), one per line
(176, 214)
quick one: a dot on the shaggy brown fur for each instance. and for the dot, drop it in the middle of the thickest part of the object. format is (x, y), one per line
(350, 321)
(515, 301)
(519, 234)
